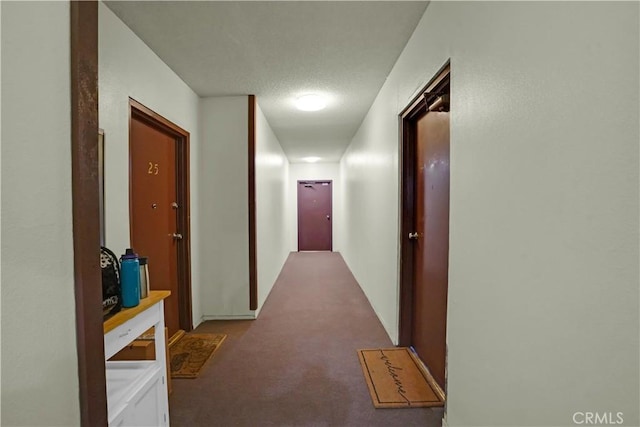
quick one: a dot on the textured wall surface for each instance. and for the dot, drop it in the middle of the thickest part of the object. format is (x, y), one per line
(543, 274)
(39, 362)
(224, 207)
(272, 227)
(128, 68)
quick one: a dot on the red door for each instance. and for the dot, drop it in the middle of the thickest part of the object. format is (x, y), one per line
(431, 262)
(154, 210)
(314, 216)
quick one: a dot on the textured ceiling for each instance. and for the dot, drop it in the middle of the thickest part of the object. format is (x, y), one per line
(279, 50)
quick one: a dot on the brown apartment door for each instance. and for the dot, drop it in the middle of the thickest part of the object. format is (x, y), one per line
(425, 246)
(432, 246)
(314, 216)
(156, 229)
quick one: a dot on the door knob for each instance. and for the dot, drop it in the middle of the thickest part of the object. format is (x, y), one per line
(174, 205)
(413, 236)
(328, 217)
(176, 236)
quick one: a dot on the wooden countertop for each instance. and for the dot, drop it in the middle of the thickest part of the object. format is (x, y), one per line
(129, 313)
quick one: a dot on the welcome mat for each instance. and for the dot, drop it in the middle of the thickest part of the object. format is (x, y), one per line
(189, 354)
(397, 379)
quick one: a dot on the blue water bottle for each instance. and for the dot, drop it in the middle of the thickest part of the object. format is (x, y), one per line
(130, 279)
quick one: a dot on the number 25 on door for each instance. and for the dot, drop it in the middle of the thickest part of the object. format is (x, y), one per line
(153, 169)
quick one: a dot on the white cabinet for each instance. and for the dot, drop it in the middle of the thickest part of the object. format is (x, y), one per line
(137, 390)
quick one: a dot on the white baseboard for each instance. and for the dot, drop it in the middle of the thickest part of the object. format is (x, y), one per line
(197, 323)
(392, 337)
(206, 317)
(259, 309)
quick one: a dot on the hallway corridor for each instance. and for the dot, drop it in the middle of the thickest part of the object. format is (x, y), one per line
(296, 365)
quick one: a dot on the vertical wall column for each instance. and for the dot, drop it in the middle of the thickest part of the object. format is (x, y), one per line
(251, 172)
(86, 218)
(224, 208)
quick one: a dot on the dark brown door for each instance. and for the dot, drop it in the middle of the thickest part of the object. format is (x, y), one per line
(431, 256)
(154, 211)
(314, 216)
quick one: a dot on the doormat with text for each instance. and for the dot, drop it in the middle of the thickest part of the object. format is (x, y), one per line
(397, 379)
(190, 353)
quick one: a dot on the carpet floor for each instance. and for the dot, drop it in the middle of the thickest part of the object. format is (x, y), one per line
(296, 365)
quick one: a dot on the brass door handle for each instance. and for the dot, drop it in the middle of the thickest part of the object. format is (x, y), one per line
(176, 236)
(413, 236)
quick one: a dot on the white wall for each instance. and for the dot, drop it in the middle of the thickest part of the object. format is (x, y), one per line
(317, 171)
(39, 361)
(272, 225)
(0, 209)
(224, 207)
(543, 285)
(128, 68)
(369, 222)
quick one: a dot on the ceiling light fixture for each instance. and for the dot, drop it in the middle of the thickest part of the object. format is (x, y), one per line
(311, 159)
(311, 102)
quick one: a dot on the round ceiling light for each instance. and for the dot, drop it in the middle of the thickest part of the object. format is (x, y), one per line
(311, 102)
(311, 159)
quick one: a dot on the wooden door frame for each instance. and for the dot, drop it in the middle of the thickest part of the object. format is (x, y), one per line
(141, 113)
(408, 119)
(314, 181)
(251, 175)
(86, 218)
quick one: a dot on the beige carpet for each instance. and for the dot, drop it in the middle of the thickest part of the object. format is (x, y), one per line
(397, 379)
(191, 352)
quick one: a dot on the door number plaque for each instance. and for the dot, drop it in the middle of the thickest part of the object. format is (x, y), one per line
(153, 169)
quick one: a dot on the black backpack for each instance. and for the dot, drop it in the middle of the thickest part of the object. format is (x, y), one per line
(111, 302)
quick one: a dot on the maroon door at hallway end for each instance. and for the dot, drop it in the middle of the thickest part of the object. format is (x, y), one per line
(314, 216)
